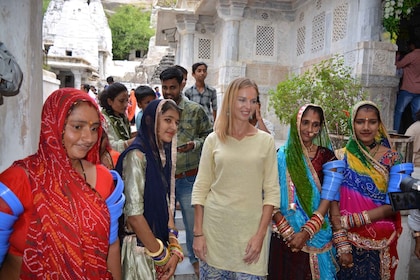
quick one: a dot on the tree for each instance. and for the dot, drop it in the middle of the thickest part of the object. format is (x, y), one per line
(329, 84)
(130, 28)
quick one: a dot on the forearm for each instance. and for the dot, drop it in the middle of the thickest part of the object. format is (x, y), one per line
(140, 226)
(380, 213)
(114, 260)
(265, 219)
(198, 219)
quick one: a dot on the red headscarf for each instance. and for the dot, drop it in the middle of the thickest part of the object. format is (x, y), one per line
(69, 227)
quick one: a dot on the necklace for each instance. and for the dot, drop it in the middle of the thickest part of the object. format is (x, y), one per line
(310, 147)
(376, 150)
(373, 145)
(83, 170)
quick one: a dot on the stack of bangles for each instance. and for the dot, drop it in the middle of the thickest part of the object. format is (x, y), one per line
(341, 242)
(174, 246)
(161, 257)
(314, 224)
(284, 228)
(355, 220)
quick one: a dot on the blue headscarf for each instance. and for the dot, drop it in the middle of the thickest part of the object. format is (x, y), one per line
(160, 168)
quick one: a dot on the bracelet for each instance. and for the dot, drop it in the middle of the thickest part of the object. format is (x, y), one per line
(158, 252)
(416, 234)
(198, 235)
(174, 231)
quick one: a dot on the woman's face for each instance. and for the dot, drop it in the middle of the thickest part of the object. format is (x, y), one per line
(81, 131)
(366, 125)
(167, 125)
(310, 125)
(120, 103)
(245, 103)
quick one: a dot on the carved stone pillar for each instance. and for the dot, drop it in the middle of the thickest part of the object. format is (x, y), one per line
(377, 71)
(231, 11)
(186, 28)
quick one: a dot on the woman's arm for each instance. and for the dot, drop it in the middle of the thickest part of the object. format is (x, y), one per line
(114, 260)
(199, 244)
(253, 249)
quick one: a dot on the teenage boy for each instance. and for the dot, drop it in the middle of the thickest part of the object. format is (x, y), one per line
(202, 93)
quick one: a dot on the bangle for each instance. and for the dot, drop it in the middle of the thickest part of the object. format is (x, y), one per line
(416, 234)
(198, 235)
(158, 252)
(174, 231)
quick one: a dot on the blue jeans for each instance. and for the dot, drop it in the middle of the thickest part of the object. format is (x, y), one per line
(183, 190)
(403, 99)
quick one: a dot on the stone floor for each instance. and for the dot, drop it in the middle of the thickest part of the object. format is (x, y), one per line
(184, 270)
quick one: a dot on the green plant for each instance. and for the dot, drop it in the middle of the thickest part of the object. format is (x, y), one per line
(393, 12)
(329, 84)
(130, 28)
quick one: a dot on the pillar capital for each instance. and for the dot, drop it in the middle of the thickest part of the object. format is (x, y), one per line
(186, 23)
(231, 9)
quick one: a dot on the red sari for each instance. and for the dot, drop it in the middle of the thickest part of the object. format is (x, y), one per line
(67, 221)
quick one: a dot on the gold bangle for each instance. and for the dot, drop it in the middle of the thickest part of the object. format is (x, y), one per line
(158, 252)
(198, 235)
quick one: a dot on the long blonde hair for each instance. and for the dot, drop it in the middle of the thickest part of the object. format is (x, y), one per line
(223, 123)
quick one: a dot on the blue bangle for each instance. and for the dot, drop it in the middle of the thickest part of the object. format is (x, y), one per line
(10, 198)
(174, 231)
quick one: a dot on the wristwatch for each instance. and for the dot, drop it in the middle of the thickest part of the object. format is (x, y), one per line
(416, 234)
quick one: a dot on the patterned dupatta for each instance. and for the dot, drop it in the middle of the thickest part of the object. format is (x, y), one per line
(301, 193)
(69, 227)
(160, 170)
(120, 124)
(366, 182)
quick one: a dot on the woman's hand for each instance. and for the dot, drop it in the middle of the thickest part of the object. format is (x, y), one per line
(168, 269)
(346, 260)
(253, 249)
(297, 241)
(200, 247)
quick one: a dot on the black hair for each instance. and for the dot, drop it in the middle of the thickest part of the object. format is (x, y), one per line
(370, 107)
(110, 79)
(317, 110)
(86, 87)
(110, 92)
(198, 64)
(142, 91)
(171, 73)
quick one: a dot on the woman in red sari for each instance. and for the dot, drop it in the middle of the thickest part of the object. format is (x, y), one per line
(63, 232)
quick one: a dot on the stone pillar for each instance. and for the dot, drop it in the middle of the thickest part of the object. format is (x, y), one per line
(232, 13)
(376, 69)
(20, 120)
(186, 28)
(77, 78)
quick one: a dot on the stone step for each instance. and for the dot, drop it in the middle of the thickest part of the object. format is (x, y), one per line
(184, 270)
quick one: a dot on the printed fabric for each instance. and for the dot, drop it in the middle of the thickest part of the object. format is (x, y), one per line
(69, 225)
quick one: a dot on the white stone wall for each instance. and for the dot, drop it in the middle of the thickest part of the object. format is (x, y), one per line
(20, 31)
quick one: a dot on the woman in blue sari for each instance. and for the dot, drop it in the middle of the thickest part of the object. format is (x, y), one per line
(301, 246)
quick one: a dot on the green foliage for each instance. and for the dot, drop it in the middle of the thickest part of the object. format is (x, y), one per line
(328, 84)
(45, 4)
(166, 3)
(130, 28)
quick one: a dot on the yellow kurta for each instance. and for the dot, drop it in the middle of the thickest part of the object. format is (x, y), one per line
(234, 181)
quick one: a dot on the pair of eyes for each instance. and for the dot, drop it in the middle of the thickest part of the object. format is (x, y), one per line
(307, 122)
(363, 121)
(169, 121)
(243, 100)
(78, 127)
